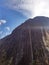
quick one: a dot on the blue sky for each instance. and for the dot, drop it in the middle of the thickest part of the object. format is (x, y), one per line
(15, 12)
(13, 19)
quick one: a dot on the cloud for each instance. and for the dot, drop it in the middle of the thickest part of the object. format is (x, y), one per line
(2, 22)
(29, 8)
(7, 28)
(1, 34)
(5, 32)
(22, 6)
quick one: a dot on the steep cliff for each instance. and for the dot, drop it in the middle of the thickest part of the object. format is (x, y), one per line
(28, 44)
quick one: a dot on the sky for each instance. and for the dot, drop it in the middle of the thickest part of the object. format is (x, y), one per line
(15, 12)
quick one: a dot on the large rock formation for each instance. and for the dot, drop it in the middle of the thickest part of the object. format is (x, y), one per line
(28, 44)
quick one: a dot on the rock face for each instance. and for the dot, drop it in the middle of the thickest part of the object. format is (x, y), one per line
(28, 44)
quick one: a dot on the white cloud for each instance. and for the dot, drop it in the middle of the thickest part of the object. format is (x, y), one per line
(2, 22)
(7, 28)
(30, 8)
